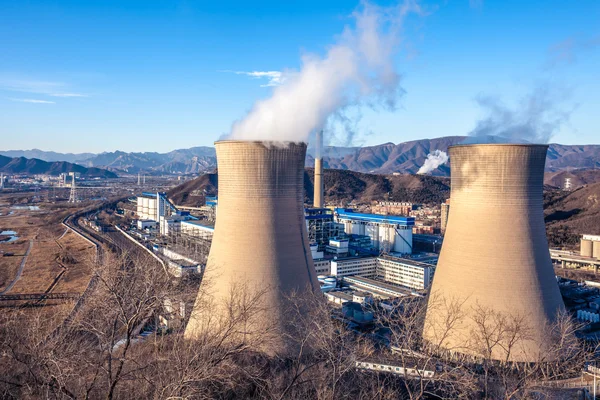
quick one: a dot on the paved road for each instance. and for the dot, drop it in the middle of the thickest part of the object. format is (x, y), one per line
(20, 271)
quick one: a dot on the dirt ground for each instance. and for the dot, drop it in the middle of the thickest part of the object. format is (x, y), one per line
(59, 261)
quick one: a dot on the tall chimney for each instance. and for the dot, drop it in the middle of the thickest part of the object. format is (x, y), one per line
(494, 265)
(260, 241)
(318, 189)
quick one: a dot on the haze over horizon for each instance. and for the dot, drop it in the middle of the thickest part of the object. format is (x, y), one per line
(103, 76)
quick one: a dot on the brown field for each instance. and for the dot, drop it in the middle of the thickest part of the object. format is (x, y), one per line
(56, 263)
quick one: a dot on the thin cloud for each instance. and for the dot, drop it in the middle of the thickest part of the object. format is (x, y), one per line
(34, 101)
(566, 51)
(47, 88)
(274, 78)
(68, 95)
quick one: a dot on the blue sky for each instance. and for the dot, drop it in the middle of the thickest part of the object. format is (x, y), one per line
(95, 76)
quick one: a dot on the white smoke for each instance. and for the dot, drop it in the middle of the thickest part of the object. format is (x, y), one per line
(358, 68)
(535, 119)
(433, 161)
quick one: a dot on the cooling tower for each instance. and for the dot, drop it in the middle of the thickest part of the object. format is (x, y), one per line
(260, 241)
(318, 189)
(494, 267)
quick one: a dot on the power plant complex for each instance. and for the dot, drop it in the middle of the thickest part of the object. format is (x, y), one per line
(260, 240)
(495, 262)
(495, 259)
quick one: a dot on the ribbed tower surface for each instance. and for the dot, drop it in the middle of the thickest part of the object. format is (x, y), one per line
(260, 241)
(494, 268)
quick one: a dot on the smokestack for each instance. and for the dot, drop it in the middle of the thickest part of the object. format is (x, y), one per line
(260, 240)
(494, 259)
(318, 190)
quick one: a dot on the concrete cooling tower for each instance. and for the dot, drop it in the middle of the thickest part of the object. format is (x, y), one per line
(260, 240)
(494, 265)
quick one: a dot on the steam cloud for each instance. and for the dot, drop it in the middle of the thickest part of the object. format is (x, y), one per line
(358, 68)
(433, 161)
(535, 119)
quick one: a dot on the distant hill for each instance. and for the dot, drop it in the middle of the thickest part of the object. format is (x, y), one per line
(404, 158)
(578, 177)
(50, 156)
(341, 188)
(22, 165)
(570, 214)
(183, 161)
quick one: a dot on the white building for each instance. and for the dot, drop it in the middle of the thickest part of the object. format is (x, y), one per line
(197, 229)
(404, 272)
(388, 233)
(147, 207)
(363, 266)
(146, 223)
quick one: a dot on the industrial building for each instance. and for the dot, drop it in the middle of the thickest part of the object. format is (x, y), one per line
(495, 254)
(363, 266)
(260, 241)
(197, 229)
(387, 233)
(404, 272)
(590, 246)
(380, 289)
(321, 226)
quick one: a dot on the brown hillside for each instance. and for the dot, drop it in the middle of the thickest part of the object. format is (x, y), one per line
(341, 188)
(570, 214)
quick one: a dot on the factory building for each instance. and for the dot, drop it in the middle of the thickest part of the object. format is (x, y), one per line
(147, 206)
(363, 266)
(495, 256)
(590, 246)
(197, 229)
(387, 233)
(404, 272)
(260, 244)
(381, 290)
(321, 226)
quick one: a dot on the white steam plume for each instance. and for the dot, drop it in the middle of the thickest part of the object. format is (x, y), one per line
(358, 68)
(535, 119)
(433, 161)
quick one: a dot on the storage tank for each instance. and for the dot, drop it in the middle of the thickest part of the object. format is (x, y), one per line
(372, 230)
(596, 249)
(587, 248)
(260, 240)
(355, 228)
(403, 240)
(386, 238)
(494, 261)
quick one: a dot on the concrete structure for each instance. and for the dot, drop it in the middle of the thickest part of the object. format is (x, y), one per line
(388, 233)
(404, 272)
(586, 248)
(444, 212)
(590, 246)
(318, 200)
(260, 241)
(363, 266)
(495, 257)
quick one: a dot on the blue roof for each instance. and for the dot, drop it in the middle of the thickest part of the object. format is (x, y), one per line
(388, 219)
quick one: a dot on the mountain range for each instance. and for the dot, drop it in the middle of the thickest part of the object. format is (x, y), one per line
(406, 157)
(33, 166)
